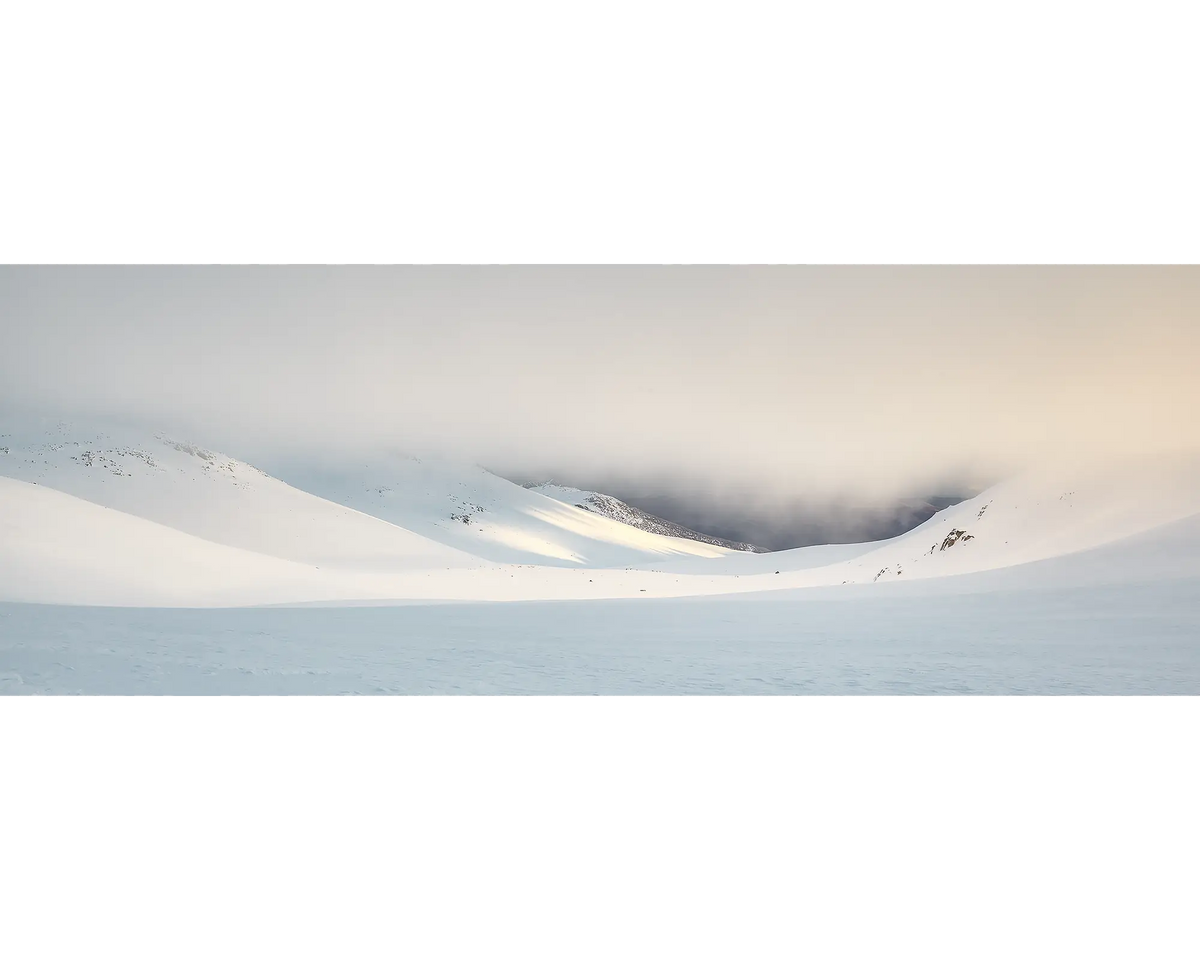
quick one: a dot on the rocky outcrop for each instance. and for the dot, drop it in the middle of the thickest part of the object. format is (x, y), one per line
(956, 536)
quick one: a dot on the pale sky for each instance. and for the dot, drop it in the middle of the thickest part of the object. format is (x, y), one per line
(765, 378)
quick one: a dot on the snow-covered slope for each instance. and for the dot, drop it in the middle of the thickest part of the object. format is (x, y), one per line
(622, 512)
(214, 497)
(1042, 513)
(488, 516)
(56, 548)
(1045, 512)
(110, 519)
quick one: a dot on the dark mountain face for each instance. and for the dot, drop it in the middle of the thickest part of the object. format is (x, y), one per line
(796, 525)
(799, 523)
(623, 512)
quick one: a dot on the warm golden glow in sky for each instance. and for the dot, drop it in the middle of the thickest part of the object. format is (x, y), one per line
(769, 376)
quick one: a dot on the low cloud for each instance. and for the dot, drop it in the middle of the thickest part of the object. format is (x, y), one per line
(784, 381)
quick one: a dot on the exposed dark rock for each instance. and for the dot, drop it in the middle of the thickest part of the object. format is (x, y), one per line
(956, 536)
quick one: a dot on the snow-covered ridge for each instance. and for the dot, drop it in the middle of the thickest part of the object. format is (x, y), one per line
(214, 497)
(138, 519)
(623, 512)
(483, 514)
(434, 511)
(1045, 512)
(56, 548)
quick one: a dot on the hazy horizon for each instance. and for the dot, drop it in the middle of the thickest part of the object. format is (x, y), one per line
(769, 382)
